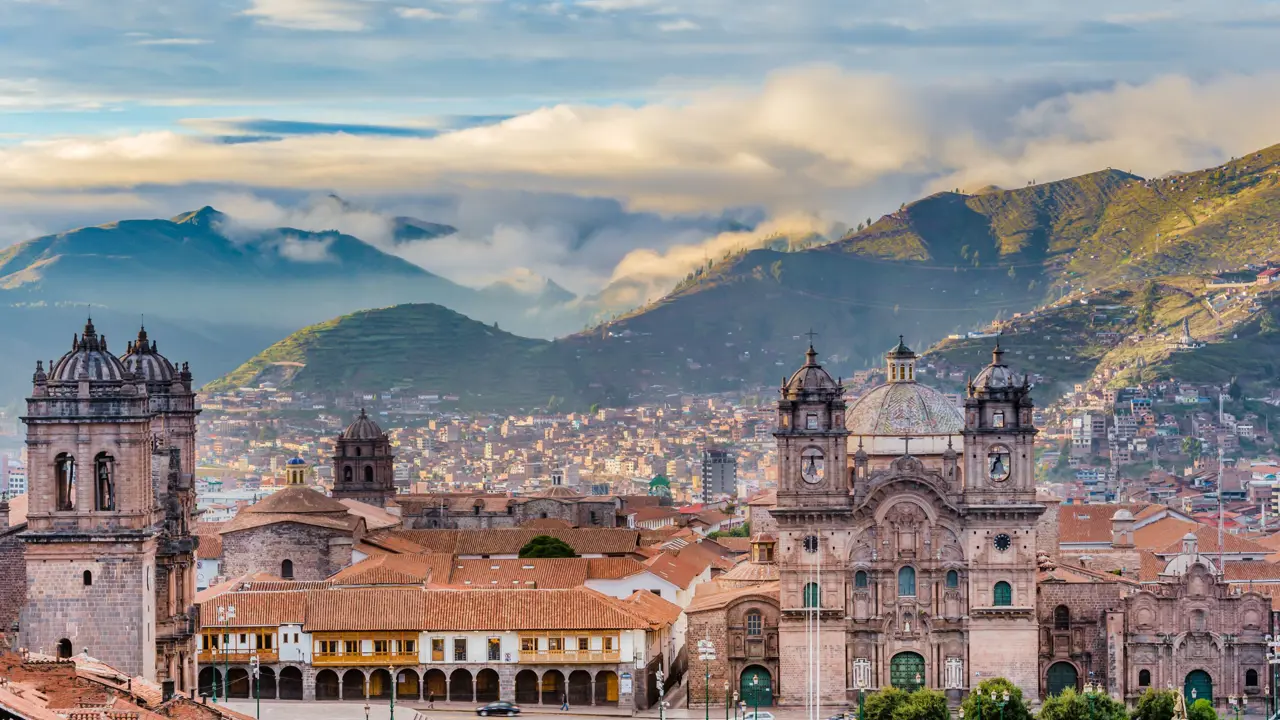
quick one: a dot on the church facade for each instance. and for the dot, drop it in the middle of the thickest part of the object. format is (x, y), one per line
(901, 567)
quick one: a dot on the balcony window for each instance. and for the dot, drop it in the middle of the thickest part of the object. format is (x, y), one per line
(381, 647)
(459, 649)
(1003, 594)
(409, 646)
(555, 644)
(329, 647)
(811, 595)
(907, 582)
(754, 624)
(495, 649)
(584, 643)
(351, 647)
(437, 649)
(608, 644)
(860, 579)
(265, 641)
(528, 645)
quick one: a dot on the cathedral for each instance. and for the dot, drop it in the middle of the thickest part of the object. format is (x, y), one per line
(908, 548)
(907, 531)
(109, 554)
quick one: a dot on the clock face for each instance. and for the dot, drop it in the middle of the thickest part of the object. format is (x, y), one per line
(998, 464)
(812, 468)
(1002, 542)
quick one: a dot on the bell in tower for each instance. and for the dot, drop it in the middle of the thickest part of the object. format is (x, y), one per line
(811, 438)
(999, 433)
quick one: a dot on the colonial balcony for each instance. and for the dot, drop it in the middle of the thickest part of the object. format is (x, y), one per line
(569, 657)
(237, 657)
(365, 658)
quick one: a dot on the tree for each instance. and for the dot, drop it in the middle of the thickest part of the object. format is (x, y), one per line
(923, 705)
(1192, 448)
(1016, 709)
(882, 705)
(1156, 705)
(1070, 705)
(1234, 390)
(545, 546)
(1202, 709)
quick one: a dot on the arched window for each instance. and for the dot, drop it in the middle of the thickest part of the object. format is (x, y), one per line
(64, 648)
(286, 569)
(811, 599)
(953, 579)
(88, 578)
(1251, 678)
(347, 475)
(1062, 618)
(907, 582)
(64, 471)
(1003, 594)
(368, 473)
(1144, 678)
(754, 623)
(104, 484)
(860, 579)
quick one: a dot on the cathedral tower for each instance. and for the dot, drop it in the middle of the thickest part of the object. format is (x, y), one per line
(1001, 513)
(172, 404)
(811, 439)
(93, 520)
(363, 464)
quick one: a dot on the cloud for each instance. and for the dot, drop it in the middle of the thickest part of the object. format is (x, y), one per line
(334, 15)
(305, 251)
(419, 13)
(173, 41)
(587, 195)
(678, 26)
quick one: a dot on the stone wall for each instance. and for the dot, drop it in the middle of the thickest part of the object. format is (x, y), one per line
(113, 617)
(1082, 643)
(1047, 529)
(13, 583)
(265, 548)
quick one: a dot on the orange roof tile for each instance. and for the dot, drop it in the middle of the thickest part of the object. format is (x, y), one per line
(716, 597)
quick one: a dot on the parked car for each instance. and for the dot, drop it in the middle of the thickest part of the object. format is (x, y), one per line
(761, 715)
(500, 708)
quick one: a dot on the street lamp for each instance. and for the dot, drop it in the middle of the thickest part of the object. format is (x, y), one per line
(1000, 700)
(1237, 707)
(726, 700)
(366, 710)
(392, 670)
(255, 671)
(225, 616)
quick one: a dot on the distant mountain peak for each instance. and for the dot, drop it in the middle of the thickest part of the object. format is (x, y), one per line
(205, 217)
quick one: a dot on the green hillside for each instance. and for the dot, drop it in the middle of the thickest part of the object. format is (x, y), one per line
(424, 349)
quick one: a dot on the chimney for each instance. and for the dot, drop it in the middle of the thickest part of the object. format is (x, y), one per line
(1122, 529)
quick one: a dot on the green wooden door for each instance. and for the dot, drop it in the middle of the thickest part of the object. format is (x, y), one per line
(1202, 685)
(906, 672)
(756, 687)
(1060, 677)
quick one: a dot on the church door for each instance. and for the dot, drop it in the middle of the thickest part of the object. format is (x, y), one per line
(906, 671)
(1198, 686)
(756, 687)
(1060, 677)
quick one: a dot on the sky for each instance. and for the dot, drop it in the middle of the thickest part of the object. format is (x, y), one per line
(593, 141)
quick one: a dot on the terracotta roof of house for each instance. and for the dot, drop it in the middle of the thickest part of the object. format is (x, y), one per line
(1271, 542)
(381, 608)
(734, 544)
(1207, 541)
(765, 498)
(674, 570)
(391, 541)
(544, 523)
(508, 541)
(699, 555)
(210, 547)
(18, 510)
(1150, 566)
(715, 597)
(297, 499)
(645, 514)
(657, 610)
(1089, 523)
(257, 608)
(1245, 571)
(375, 518)
(749, 572)
(612, 568)
(389, 569)
(1057, 572)
(712, 517)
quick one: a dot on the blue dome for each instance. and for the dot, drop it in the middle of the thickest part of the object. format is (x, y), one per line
(296, 461)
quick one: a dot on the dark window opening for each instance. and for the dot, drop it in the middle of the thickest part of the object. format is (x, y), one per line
(1062, 618)
(88, 578)
(64, 467)
(104, 488)
(1144, 678)
(953, 579)
(368, 473)
(1251, 678)
(64, 648)
(860, 579)
(346, 474)
(286, 569)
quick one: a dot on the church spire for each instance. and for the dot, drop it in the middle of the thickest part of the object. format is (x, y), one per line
(901, 363)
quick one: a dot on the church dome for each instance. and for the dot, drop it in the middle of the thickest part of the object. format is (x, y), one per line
(295, 461)
(145, 362)
(902, 406)
(997, 375)
(810, 377)
(557, 491)
(363, 428)
(1190, 556)
(88, 358)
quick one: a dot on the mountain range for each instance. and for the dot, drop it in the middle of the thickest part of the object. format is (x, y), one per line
(944, 264)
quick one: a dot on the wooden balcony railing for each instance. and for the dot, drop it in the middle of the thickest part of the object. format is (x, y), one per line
(237, 657)
(364, 658)
(569, 656)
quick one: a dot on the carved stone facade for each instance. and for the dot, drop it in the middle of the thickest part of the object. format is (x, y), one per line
(911, 570)
(108, 552)
(489, 512)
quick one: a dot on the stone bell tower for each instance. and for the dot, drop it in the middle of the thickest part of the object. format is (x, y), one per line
(811, 439)
(363, 466)
(93, 519)
(1001, 513)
